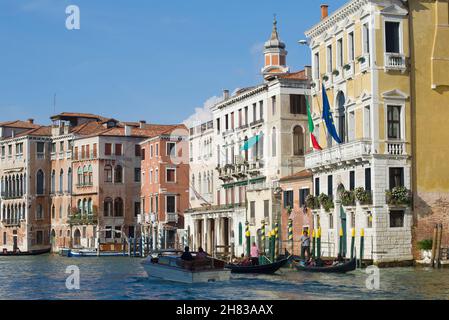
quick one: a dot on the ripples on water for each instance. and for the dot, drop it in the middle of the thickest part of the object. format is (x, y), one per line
(43, 277)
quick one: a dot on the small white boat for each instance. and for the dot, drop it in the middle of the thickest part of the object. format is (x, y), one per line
(93, 253)
(169, 266)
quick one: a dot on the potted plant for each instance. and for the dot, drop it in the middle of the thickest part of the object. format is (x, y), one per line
(347, 198)
(398, 196)
(425, 246)
(361, 59)
(326, 202)
(347, 67)
(336, 72)
(362, 196)
(312, 202)
(325, 78)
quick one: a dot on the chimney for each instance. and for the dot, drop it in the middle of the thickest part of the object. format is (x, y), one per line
(308, 71)
(128, 130)
(31, 121)
(225, 94)
(142, 124)
(324, 11)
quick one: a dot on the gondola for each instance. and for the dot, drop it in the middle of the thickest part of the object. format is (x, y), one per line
(259, 269)
(348, 266)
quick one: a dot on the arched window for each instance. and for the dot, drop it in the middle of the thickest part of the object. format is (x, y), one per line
(89, 206)
(118, 174)
(118, 207)
(80, 176)
(273, 142)
(53, 181)
(108, 207)
(89, 174)
(40, 182)
(85, 207)
(80, 206)
(61, 181)
(341, 116)
(298, 141)
(39, 212)
(69, 180)
(85, 175)
(53, 212)
(108, 173)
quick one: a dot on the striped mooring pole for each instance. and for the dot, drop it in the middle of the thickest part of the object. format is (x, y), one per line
(248, 239)
(263, 234)
(340, 251)
(362, 245)
(318, 243)
(272, 244)
(290, 234)
(313, 243)
(276, 235)
(352, 242)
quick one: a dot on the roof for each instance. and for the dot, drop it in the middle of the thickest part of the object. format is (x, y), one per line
(149, 130)
(19, 124)
(40, 131)
(304, 174)
(299, 75)
(65, 115)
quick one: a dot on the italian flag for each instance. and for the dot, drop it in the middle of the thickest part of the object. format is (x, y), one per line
(315, 144)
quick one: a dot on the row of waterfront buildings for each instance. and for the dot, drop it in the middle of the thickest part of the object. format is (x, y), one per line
(87, 179)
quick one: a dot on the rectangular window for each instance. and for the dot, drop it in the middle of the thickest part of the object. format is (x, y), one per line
(365, 34)
(142, 152)
(317, 187)
(330, 187)
(240, 118)
(261, 109)
(303, 193)
(339, 53)
(4, 239)
(157, 150)
(392, 40)
(218, 125)
(107, 149)
(351, 46)
(329, 59)
(316, 58)
(171, 204)
(87, 151)
(368, 179)
(227, 122)
(118, 149)
(367, 122)
(396, 219)
(53, 148)
(351, 180)
(171, 175)
(252, 212)
(3, 151)
(232, 121)
(254, 112)
(298, 104)
(394, 122)
(266, 209)
(94, 151)
(156, 176)
(171, 149)
(83, 152)
(396, 177)
(136, 208)
(273, 105)
(288, 199)
(137, 150)
(137, 174)
(246, 115)
(108, 234)
(61, 146)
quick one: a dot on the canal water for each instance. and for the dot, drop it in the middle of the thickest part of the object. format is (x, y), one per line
(44, 277)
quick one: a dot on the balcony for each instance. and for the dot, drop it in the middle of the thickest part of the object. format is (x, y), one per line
(171, 218)
(82, 219)
(254, 167)
(227, 132)
(243, 127)
(396, 148)
(6, 196)
(364, 62)
(225, 173)
(256, 123)
(348, 70)
(11, 223)
(340, 155)
(395, 62)
(337, 75)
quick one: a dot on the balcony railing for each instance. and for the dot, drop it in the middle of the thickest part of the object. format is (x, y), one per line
(11, 222)
(6, 196)
(395, 61)
(83, 219)
(348, 70)
(257, 122)
(350, 151)
(396, 148)
(171, 217)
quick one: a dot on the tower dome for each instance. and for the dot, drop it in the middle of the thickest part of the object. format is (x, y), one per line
(275, 54)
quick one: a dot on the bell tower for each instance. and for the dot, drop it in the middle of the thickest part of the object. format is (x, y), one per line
(275, 54)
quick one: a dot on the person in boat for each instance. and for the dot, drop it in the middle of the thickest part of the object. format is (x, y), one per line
(338, 260)
(201, 253)
(305, 245)
(255, 254)
(246, 261)
(187, 256)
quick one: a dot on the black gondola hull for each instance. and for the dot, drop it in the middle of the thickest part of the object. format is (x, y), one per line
(260, 269)
(343, 268)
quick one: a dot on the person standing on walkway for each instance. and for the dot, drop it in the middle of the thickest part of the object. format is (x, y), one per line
(255, 254)
(305, 245)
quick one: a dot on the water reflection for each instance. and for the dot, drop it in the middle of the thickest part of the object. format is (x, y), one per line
(43, 277)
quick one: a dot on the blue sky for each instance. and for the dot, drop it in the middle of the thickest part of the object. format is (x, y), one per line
(139, 59)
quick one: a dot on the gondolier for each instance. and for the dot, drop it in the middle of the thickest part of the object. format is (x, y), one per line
(305, 245)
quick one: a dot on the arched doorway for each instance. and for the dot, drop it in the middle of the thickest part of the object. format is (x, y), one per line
(341, 112)
(77, 238)
(298, 141)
